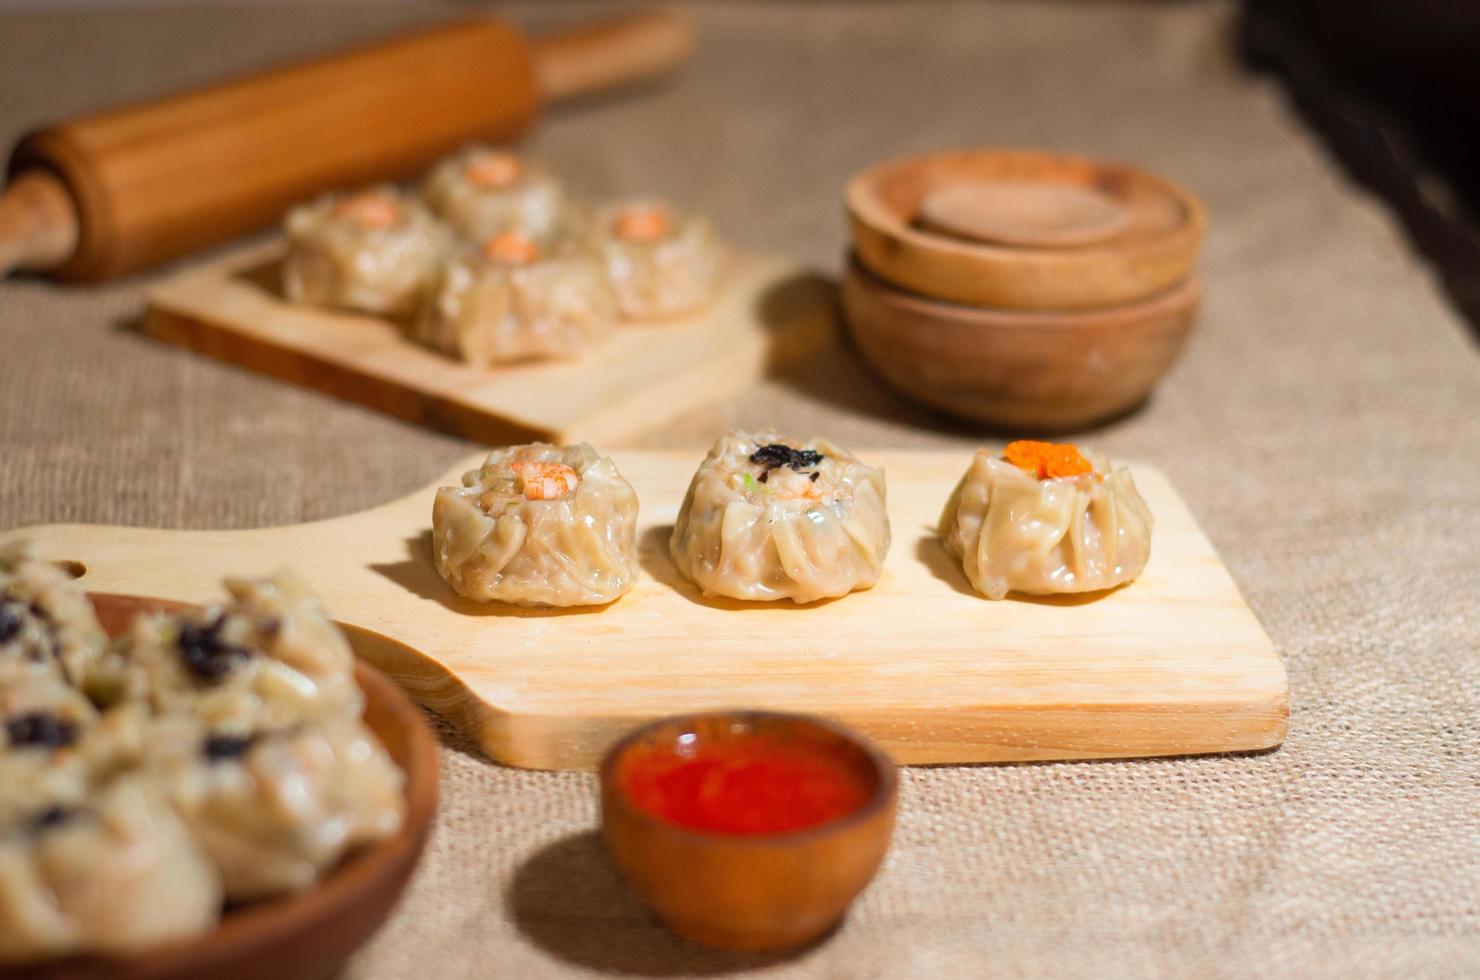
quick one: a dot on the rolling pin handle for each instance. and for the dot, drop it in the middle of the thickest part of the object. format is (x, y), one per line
(613, 53)
(38, 222)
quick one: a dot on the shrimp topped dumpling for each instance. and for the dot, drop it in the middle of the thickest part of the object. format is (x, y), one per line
(661, 263)
(482, 192)
(512, 299)
(538, 525)
(375, 251)
(1046, 518)
(769, 517)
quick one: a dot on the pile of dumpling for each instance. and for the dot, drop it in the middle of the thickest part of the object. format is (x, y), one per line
(493, 262)
(771, 517)
(204, 757)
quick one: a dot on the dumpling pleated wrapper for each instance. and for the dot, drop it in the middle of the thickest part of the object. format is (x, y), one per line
(803, 530)
(485, 312)
(517, 531)
(117, 874)
(1014, 532)
(376, 252)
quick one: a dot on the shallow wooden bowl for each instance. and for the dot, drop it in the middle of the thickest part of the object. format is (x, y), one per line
(309, 935)
(1019, 371)
(1146, 244)
(752, 893)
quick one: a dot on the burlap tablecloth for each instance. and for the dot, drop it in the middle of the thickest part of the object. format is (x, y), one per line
(1324, 426)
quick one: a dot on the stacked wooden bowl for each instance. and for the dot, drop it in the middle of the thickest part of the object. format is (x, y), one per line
(1026, 290)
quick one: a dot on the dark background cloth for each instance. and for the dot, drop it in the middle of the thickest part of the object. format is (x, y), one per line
(1323, 425)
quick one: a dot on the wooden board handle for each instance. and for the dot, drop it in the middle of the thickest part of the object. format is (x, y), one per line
(121, 190)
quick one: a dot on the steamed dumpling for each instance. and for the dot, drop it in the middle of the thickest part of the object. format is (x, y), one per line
(1045, 519)
(769, 517)
(482, 192)
(112, 870)
(374, 251)
(538, 525)
(661, 263)
(274, 809)
(47, 624)
(268, 658)
(512, 300)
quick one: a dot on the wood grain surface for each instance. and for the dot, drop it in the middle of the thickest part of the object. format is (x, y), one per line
(770, 313)
(1173, 663)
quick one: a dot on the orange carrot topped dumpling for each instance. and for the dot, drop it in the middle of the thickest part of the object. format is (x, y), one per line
(1046, 518)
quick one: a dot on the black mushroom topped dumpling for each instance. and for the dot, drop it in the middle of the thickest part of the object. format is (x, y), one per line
(538, 525)
(770, 517)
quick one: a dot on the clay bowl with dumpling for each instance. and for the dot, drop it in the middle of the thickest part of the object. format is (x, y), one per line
(311, 933)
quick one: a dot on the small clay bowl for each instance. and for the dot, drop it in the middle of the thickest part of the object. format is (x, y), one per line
(1023, 229)
(750, 892)
(1018, 371)
(310, 935)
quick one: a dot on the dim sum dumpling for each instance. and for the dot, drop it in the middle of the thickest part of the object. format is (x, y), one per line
(482, 192)
(1045, 519)
(511, 300)
(538, 525)
(115, 872)
(47, 624)
(373, 251)
(661, 263)
(267, 659)
(275, 809)
(767, 517)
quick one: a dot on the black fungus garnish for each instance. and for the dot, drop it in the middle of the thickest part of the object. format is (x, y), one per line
(207, 653)
(40, 728)
(52, 816)
(12, 618)
(220, 748)
(776, 456)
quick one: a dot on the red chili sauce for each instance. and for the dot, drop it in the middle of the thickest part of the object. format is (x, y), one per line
(749, 785)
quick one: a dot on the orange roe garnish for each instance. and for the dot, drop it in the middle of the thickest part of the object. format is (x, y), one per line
(641, 223)
(493, 170)
(511, 248)
(371, 209)
(1047, 460)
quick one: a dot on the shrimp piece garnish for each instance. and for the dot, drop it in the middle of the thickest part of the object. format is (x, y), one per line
(547, 481)
(370, 210)
(641, 223)
(494, 170)
(511, 248)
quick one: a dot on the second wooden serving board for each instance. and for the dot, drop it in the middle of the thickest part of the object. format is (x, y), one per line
(1173, 663)
(769, 313)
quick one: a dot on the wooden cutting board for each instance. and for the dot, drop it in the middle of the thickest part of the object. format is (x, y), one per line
(770, 312)
(1173, 663)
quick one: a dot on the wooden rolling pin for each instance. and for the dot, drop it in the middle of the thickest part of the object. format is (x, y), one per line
(117, 191)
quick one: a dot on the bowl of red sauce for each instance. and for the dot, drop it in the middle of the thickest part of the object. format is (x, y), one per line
(747, 830)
